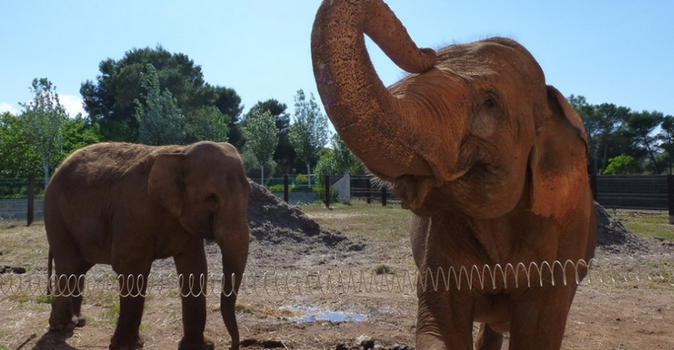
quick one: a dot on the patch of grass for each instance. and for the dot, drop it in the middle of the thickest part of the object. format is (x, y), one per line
(24, 246)
(390, 223)
(647, 224)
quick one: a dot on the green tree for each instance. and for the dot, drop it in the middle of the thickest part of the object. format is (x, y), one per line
(208, 124)
(160, 120)
(42, 118)
(110, 100)
(666, 138)
(309, 133)
(605, 125)
(261, 137)
(640, 128)
(622, 165)
(338, 160)
(285, 154)
(18, 158)
(77, 133)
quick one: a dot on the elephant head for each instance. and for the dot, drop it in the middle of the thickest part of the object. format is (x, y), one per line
(206, 188)
(473, 129)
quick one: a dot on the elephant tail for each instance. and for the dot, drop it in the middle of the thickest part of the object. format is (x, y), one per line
(50, 265)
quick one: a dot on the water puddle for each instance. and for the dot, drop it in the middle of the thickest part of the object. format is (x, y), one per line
(313, 315)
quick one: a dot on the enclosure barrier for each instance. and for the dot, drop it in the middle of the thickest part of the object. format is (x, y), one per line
(600, 271)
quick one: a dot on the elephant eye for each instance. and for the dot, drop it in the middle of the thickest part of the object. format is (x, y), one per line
(490, 100)
(212, 201)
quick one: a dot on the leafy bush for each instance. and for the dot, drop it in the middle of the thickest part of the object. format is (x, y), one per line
(276, 188)
(301, 179)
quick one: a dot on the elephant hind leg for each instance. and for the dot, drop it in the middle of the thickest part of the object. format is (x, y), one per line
(488, 339)
(66, 313)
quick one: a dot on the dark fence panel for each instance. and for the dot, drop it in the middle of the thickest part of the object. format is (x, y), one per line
(649, 192)
(633, 192)
(364, 188)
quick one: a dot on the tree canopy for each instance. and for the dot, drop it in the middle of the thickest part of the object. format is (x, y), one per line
(284, 156)
(309, 133)
(261, 137)
(622, 140)
(42, 118)
(110, 101)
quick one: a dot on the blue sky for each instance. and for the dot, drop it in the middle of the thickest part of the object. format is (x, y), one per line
(614, 51)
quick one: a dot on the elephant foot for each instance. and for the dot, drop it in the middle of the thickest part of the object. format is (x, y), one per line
(207, 344)
(53, 339)
(125, 344)
(65, 325)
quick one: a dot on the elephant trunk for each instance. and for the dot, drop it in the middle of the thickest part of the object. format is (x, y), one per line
(377, 126)
(234, 248)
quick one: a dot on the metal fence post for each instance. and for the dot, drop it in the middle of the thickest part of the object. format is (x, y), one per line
(327, 191)
(285, 188)
(670, 197)
(369, 195)
(31, 199)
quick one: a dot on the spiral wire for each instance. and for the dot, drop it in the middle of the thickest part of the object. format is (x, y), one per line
(598, 271)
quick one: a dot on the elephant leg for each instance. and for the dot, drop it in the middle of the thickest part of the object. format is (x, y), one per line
(232, 268)
(77, 299)
(132, 288)
(538, 322)
(66, 313)
(192, 268)
(488, 339)
(444, 320)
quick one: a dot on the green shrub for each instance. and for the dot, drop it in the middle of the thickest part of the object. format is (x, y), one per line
(301, 179)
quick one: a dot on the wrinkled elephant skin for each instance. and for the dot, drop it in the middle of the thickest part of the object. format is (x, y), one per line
(489, 158)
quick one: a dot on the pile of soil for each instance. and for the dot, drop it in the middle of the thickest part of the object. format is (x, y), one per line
(283, 237)
(273, 221)
(613, 237)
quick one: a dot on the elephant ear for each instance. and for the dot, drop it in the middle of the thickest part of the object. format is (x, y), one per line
(559, 181)
(165, 182)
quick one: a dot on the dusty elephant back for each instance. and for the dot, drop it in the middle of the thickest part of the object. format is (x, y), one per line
(89, 178)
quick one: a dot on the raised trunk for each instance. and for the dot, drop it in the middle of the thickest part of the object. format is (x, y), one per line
(377, 126)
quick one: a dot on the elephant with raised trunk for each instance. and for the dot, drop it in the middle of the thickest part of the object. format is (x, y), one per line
(491, 161)
(127, 205)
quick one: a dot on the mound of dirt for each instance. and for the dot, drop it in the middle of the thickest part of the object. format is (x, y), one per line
(273, 221)
(613, 237)
(282, 236)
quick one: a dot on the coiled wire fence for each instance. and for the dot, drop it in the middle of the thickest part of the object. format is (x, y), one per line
(599, 271)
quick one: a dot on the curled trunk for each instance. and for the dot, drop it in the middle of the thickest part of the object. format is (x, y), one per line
(373, 123)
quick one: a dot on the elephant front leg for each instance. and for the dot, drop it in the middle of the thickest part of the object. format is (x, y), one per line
(132, 288)
(444, 320)
(192, 269)
(539, 319)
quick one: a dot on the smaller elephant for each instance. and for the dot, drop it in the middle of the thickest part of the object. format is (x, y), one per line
(127, 205)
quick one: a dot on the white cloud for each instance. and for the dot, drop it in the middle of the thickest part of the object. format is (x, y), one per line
(6, 107)
(72, 104)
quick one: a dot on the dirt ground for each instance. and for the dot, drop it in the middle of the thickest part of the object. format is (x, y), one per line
(292, 298)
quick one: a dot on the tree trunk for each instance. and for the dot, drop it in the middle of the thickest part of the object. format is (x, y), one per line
(262, 175)
(309, 173)
(45, 167)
